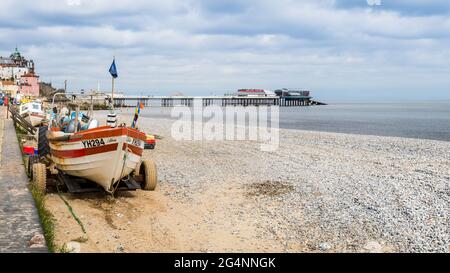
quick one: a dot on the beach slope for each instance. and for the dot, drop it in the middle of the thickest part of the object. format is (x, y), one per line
(317, 192)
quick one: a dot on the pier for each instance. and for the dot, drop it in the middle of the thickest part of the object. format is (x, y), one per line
(170, 101)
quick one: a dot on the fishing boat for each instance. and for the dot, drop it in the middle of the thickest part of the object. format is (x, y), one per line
(32, 112)
(104, 155)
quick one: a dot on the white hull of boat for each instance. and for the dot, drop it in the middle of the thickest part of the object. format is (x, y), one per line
(32, 112)
(35, 119)
(103, 160)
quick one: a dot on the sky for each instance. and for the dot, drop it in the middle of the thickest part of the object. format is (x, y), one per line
(338, 49)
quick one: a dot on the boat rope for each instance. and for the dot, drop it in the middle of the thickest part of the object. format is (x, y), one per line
(125, 156)
(71, 210)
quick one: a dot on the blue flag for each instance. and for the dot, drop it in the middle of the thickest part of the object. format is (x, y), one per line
(113, 69)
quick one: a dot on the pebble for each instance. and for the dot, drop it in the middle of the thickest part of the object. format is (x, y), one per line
(373, 247)
(120, 248)
(73, 247)
(325, 246)
(37, 241)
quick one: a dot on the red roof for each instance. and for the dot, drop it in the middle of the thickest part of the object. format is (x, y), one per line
(251, 90)
(8, 83)
(29, 75)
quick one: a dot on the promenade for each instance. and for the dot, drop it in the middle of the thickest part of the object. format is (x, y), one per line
(19, 220)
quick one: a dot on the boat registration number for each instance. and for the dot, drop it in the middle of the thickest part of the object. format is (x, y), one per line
(136, 142)
(93, 143)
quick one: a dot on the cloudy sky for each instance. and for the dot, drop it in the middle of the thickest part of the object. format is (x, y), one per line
(350, 49)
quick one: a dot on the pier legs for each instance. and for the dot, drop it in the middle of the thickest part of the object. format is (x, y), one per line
(281, 101)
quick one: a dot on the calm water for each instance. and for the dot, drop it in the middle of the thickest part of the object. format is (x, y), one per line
(412, 120)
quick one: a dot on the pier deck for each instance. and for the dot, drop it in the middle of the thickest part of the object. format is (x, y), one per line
(19, 219)
(170, 101)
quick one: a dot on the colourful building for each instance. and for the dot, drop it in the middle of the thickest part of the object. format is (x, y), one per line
(29, 85)
(17, 75)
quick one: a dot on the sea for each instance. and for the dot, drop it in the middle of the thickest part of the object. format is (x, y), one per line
(422, 120)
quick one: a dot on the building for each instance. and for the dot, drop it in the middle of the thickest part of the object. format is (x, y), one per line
(8, 87)
(255, 93)
(17, 70)
(29, 85)
(288, 92)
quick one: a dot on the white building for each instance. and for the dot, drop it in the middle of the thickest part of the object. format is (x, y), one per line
(15, 66)
(8, 72)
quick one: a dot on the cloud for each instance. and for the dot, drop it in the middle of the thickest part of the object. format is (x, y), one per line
(405, 7)
(200, 47)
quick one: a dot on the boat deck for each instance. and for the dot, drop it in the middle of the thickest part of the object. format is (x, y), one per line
(19, 219)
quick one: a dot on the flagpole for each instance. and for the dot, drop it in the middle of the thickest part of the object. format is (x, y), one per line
(112, 92)
(112, 117)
